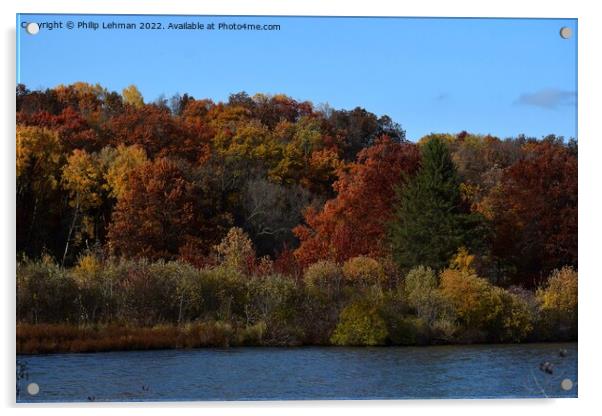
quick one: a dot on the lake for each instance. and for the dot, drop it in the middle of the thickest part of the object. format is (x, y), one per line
(476, 371)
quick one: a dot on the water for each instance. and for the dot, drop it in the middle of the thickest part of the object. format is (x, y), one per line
(481, 371)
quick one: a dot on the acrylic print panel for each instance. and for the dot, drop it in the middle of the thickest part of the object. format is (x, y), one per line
(283, 208)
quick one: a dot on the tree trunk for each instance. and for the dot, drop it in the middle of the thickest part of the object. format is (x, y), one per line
(70, 232)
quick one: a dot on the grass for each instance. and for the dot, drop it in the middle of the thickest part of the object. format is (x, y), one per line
(63, 338)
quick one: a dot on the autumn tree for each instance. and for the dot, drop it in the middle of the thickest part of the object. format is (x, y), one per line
(354, 223)
(534, 212)
(358, 129)
(74, 131)
(132, 96)
(120, 168)
(82, 178)
(159, 133)
(164, 210)
(431, 221)
(39, 157)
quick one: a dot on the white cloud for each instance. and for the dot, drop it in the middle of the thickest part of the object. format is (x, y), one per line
(549, 98)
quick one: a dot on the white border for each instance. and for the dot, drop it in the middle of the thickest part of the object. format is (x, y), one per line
(590, 152)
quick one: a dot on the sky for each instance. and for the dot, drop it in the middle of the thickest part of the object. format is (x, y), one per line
(487, 76)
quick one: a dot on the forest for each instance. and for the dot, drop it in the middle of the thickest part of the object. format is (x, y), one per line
(264, 220)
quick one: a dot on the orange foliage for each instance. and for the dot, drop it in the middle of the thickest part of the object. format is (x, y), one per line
(160, 213)
(353, 223)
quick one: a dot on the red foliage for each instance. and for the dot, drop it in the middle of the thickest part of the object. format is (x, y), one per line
(74, 131)
(534, 211)
(354, 222)
(286, 264)
(161, 215)
(160, 133)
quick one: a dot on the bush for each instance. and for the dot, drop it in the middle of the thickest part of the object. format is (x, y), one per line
(224, 294)
(149, 292)
(515, 321)
(475, 301)
(45, 293)
(408, 330)
(422, 294)
(360, 324)
(480, 306)
(274, 300)
(184, 299)
(363, 271)
(323, 276)
(558, 305)
(236, 250)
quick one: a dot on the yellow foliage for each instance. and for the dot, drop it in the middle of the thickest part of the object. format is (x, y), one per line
(38, 158)
(131, 95)
(235, 250)
(82, 177)
(475, 300)
(560, 293)
(88, 268)
(463, 261)
(126, 160)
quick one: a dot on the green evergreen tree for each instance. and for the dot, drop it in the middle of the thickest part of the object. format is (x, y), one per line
(431, 222)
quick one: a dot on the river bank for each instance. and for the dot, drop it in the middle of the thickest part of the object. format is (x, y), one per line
(65, 338)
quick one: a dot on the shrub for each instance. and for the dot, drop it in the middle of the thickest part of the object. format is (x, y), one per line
(236, 250)
(273, 299)
(558, 304)
(505, 316)
(45, 292)
(515, 321)
(87, 270)
(363, 271)
(423, 295)
(323, 276)
(95, 288)
(408, 330)
(360, 324)
(224, 294)
(475, 301)
(184, 299)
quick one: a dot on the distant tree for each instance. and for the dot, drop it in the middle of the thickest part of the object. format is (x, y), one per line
(164, 210)
(236, 251)
(125, 161)
(159, 133)
(431, 221)
(39, 160)
(354, 223)
(131, 96)
(83, 179)
(74, 131)
(358, 129)
(534, 212)
(271, 211)
(39, 155)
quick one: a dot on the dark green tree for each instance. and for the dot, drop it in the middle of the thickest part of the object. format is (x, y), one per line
(431, 220)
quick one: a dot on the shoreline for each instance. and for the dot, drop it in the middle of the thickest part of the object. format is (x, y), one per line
(50, 339)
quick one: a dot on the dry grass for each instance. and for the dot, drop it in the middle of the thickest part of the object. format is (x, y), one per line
(60, 338)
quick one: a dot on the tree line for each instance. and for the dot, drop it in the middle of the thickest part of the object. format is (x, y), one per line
(266, 187)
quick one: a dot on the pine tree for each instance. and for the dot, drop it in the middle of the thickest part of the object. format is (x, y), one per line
(431, 222)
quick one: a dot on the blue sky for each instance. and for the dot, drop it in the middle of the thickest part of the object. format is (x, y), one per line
(498, 76)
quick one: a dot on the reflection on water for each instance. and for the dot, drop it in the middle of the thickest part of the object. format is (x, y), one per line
(481, 371)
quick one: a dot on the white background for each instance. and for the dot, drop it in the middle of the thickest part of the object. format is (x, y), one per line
(590, 165)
